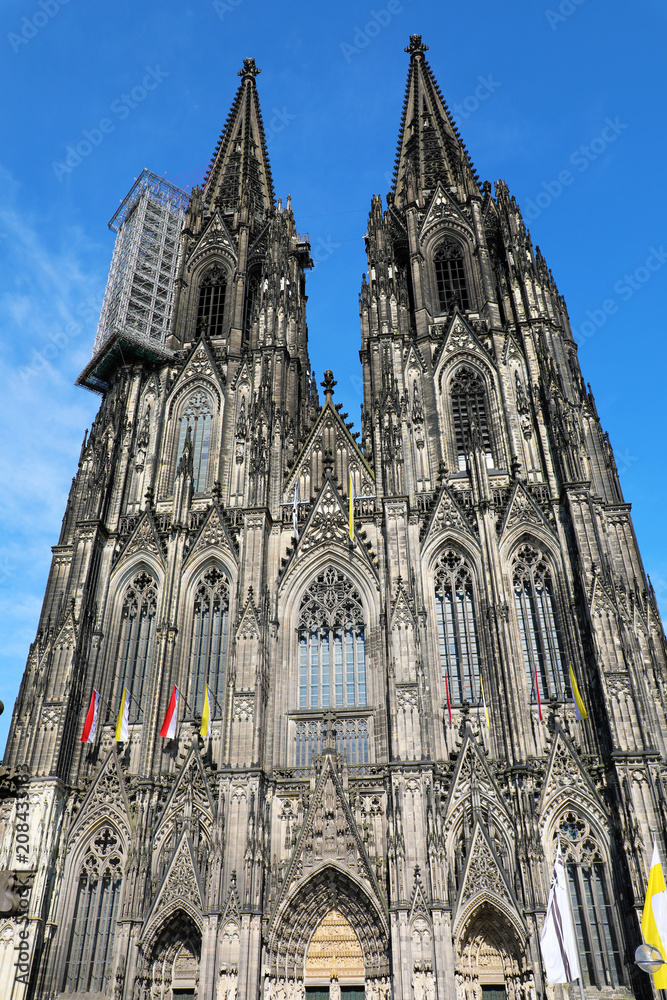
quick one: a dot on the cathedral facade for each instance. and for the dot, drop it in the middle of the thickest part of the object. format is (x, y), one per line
(388, 632)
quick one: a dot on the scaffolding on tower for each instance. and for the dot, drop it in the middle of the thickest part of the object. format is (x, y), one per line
(139, 296)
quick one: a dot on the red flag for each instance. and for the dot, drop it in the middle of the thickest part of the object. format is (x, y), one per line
(449, 704)
(90, 725)
(169, 725)
(537, 688)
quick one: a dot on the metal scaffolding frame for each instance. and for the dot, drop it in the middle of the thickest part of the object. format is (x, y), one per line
(140, 289)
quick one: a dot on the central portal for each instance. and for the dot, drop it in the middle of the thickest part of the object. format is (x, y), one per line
(335, 962)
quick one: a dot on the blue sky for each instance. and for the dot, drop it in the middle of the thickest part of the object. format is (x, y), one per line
(575, 86)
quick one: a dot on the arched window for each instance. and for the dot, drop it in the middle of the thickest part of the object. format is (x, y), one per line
(210, 626)
(450, 276)
(540, 641)
(332, 651)
(90, 947)
(135, 643)
(597, 933)
(195, 434)
(469, 409)
(457, 629)
(210, 310)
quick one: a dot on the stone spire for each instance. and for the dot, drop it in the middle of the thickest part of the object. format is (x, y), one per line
(239, 173)
(429, 145)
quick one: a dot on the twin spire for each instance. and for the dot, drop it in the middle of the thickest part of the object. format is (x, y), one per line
(429, 146)
(239, 174)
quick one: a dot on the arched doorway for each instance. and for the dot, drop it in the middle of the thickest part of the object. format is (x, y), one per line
(334, 967)
(330, 921)
(491, 961)
(173, 966)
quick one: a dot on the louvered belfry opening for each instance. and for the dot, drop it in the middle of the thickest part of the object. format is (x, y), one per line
(469, 406)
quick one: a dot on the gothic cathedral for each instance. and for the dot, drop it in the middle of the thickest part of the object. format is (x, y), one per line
(401, 668)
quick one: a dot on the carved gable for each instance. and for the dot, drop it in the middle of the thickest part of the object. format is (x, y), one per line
(522, 510)
(182, 881)
(484, 875)
(565, 773)
(447, 515)
(248, 626)
(329, 833)
(106, 798)
(329, 435)
(144, 538)
(215, 236)
(213, 534)
(442, 208)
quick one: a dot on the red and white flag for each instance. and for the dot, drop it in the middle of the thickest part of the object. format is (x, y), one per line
(90, 725)
(170, 720)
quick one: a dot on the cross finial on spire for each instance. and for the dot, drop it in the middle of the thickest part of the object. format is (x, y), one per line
(416, 45)
(249, 69)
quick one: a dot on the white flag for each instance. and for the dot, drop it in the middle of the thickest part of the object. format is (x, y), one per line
(295, 511)
(558, 939)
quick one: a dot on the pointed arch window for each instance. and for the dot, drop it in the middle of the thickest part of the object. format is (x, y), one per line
(211, 307)
(590, 893)
(450, 276)
(536, 614)
(332, 644)
(457, 629)
(135, 643)
(195, 435)
(210, 630)
(88, 961)
(469, 409)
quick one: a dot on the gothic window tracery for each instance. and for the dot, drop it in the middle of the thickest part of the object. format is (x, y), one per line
(534, 599)
(591, 898)
(194, 439)
(211, 306)
(457, 628)
(90, 947)
(450, 276)
(135, 642)
(470, 412)
(332, 650)
(210, 626)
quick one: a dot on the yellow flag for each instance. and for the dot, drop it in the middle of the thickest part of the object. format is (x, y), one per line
(579, 707)
(654, 917)
(205, 730)
(121, 724)
(351, 514)
(486, 711)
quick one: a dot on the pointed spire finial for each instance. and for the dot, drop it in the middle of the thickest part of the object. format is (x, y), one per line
(249, 69)
(416, 46)
(328, 384)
